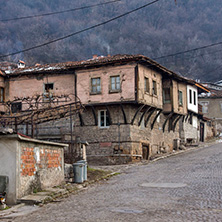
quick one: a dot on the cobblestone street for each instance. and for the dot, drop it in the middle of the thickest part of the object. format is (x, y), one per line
(185, 187)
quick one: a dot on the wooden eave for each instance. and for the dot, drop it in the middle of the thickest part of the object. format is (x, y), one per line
(203, 88)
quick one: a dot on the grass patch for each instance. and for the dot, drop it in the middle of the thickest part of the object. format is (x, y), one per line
(94, 174)
(7, 207)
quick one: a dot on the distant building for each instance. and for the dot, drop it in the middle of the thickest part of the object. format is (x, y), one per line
(212, 105)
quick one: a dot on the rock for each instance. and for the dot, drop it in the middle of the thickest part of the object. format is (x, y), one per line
(182, 147)
(163, 150)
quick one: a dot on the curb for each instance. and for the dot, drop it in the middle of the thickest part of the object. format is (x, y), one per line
(184, 151)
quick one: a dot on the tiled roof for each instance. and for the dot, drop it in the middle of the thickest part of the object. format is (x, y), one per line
(100, 60)
(8, 65)
(96, 61)
(212, 94)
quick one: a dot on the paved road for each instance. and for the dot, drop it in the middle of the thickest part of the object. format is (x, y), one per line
(185, 187)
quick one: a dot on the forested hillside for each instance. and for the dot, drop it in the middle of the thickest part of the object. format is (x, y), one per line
(162, 28)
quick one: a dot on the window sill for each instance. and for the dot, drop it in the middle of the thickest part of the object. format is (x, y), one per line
(114, 91)
(103, 127)
(95, 93)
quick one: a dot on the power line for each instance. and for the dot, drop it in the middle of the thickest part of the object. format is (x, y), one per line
(58, 12)
(192, 57)
(81, 31)
(190, 50)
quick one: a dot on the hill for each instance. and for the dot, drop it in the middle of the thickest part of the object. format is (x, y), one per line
(160, 29)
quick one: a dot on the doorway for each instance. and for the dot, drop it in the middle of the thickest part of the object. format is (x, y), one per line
(201, 132)
(145, 151)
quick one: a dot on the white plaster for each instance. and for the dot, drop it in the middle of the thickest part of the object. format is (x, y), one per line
(191, 106)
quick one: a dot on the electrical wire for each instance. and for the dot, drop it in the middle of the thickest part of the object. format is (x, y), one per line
(58, 12)
(190, 50)
(81, 31)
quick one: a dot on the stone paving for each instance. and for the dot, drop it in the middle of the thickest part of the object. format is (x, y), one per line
(185, 187)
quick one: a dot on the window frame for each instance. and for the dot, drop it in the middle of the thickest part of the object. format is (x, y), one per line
(48, 94)
(180, 98)
(204, 107)
(194, 98)
(166, 101)
(106, 117)
(16, 107)
(146, 85)
(154, 88)
(95, 85)
(2, 94)
(116, 83)
(190, 96)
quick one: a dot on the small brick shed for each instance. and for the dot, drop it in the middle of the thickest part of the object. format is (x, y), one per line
(30, 164)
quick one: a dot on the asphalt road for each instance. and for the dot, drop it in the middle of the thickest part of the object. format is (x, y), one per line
(185, 187)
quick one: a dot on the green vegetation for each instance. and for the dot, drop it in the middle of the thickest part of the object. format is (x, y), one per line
(95, 174)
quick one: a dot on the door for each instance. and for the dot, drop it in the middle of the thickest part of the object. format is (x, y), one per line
(145, 150)
(202, 132)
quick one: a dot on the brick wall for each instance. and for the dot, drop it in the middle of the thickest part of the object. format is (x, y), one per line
(41, 166)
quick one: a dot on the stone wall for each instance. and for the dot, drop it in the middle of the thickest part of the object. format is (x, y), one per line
(190, 131)
(210, 130)
(124, 141)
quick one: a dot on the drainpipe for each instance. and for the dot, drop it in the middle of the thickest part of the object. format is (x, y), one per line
(70, 108)
(75, 85)
(136, 82)
(118, 136)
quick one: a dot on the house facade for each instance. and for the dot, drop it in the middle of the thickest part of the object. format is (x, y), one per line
(211, 104)
(133, 105)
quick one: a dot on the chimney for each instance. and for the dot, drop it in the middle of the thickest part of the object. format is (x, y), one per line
(21, 64)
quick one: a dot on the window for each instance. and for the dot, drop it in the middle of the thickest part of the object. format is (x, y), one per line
(204, 107)
(16, 107)
(48, 90)
(95, 85)
(154, 92)
(221, 106)
(190, 95)
(166, 95)
(180, 98)
(103, 119)
(194, 98)
(146, 85)
(2, 95)
(191, 120)
(114, 83)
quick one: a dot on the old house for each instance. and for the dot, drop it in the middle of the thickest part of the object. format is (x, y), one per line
(132, 104)
(126, 117)
(192, 126)
(211, 104)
